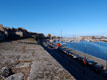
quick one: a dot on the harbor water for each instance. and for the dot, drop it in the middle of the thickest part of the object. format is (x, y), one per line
(97, 49)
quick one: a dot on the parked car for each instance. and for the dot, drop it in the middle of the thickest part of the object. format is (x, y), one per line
(60, 49)
(82, 60)
(104, 73)
(91, 63)
(97, 68)
(75, 56)
(68, 51)
(79, 58)
(72, 54)
(65, 50)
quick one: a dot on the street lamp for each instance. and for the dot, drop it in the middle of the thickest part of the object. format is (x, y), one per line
(74, 44)
(106, 59)
(85, 51)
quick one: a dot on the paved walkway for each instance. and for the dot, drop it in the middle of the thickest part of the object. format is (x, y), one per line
(29, 61)
(45, 67)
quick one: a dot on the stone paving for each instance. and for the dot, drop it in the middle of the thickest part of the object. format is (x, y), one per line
(27, 60)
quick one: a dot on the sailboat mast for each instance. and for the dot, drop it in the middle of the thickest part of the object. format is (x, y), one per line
(61, 35)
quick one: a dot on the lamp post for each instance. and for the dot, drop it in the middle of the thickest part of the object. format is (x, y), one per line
(74, 43)
(106, 59)
(85, 51)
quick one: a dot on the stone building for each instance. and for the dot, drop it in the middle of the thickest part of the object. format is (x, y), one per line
(2, 35)
(7, 33)
(1, 28)
(86, 37)
(49, 36)
(11, 33)
(37, 35)
(23, 33)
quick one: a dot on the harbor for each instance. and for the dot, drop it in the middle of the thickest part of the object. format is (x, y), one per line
(97, 49)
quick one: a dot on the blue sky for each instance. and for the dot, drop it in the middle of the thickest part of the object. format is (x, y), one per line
(73, 17)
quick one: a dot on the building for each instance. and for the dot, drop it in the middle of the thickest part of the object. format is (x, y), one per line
(23, 33)
(2, 35)
(37, 35)
(7, 33)
(86, 37)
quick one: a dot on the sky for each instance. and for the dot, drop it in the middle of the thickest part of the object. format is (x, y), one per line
(71, 17)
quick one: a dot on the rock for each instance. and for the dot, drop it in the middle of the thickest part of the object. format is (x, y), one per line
(1, 78)
(7, 72)
(18, 76)
(22, 65)
(2, 69)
